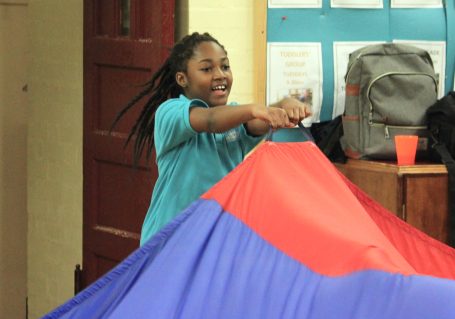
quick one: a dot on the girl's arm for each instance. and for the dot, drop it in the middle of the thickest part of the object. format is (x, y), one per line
(295, 110)
(222, 118)
(258, 118)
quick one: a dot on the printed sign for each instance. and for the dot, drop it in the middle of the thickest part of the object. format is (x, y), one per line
(295, 70)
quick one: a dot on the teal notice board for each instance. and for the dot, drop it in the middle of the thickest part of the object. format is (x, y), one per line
(327, 25)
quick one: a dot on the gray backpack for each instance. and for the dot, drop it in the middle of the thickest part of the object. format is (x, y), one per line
(389, 88)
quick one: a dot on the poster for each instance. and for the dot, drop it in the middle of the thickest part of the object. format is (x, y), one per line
(437, 51)
(361, 4)
(295, 4)
(416, 3)
(295, 70)
(341, 51)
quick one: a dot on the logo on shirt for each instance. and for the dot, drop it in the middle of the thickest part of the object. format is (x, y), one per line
(232, 135)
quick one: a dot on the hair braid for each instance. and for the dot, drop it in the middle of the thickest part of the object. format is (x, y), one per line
(160, 88)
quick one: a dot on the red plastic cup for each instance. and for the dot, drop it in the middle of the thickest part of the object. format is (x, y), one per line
(406, 147)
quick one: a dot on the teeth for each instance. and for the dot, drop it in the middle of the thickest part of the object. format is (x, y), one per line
(219, 87)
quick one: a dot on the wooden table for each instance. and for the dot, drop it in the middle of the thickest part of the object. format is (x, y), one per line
(418, 193)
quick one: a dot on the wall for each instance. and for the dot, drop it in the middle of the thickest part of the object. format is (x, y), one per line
(328, 25)
(181, 18)
(54, 151)
(231, 23)
(13, 155)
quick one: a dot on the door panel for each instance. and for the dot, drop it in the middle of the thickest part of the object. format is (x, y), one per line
(125, 41)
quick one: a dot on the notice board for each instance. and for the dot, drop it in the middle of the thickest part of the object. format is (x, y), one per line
(309, 41)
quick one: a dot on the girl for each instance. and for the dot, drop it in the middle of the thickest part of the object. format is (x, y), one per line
(198, 138)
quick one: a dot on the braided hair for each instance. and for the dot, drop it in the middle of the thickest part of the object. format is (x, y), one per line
(161, 87)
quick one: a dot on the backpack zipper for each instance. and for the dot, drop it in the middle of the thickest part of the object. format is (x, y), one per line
(386, 128)
(351, 67)
(370, 115)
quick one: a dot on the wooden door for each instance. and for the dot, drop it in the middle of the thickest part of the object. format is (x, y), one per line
(124, 42)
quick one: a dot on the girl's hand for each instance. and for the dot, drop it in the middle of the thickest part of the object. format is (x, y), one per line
(295, 110)
(275, 117)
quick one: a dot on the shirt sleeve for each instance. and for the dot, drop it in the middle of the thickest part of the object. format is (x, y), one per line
(248, 142)
(172, 123)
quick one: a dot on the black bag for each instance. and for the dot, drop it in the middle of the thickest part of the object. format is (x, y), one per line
(441, 124)
(327, 137)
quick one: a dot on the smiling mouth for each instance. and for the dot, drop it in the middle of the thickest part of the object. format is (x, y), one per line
(219, 88)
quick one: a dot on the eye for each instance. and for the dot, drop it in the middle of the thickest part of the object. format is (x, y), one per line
(207, 69)
(226, 67)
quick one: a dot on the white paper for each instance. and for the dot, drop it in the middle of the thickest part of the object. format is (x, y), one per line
(341, 51)
(295, 4)
(362, 4)
(416, 3)
(295, 69)
(437, 51)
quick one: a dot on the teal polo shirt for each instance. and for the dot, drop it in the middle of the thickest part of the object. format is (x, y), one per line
(189, 163)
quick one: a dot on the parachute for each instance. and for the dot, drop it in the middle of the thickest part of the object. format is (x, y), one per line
(284, 235)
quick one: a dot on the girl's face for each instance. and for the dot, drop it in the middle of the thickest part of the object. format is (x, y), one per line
(208, 76)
